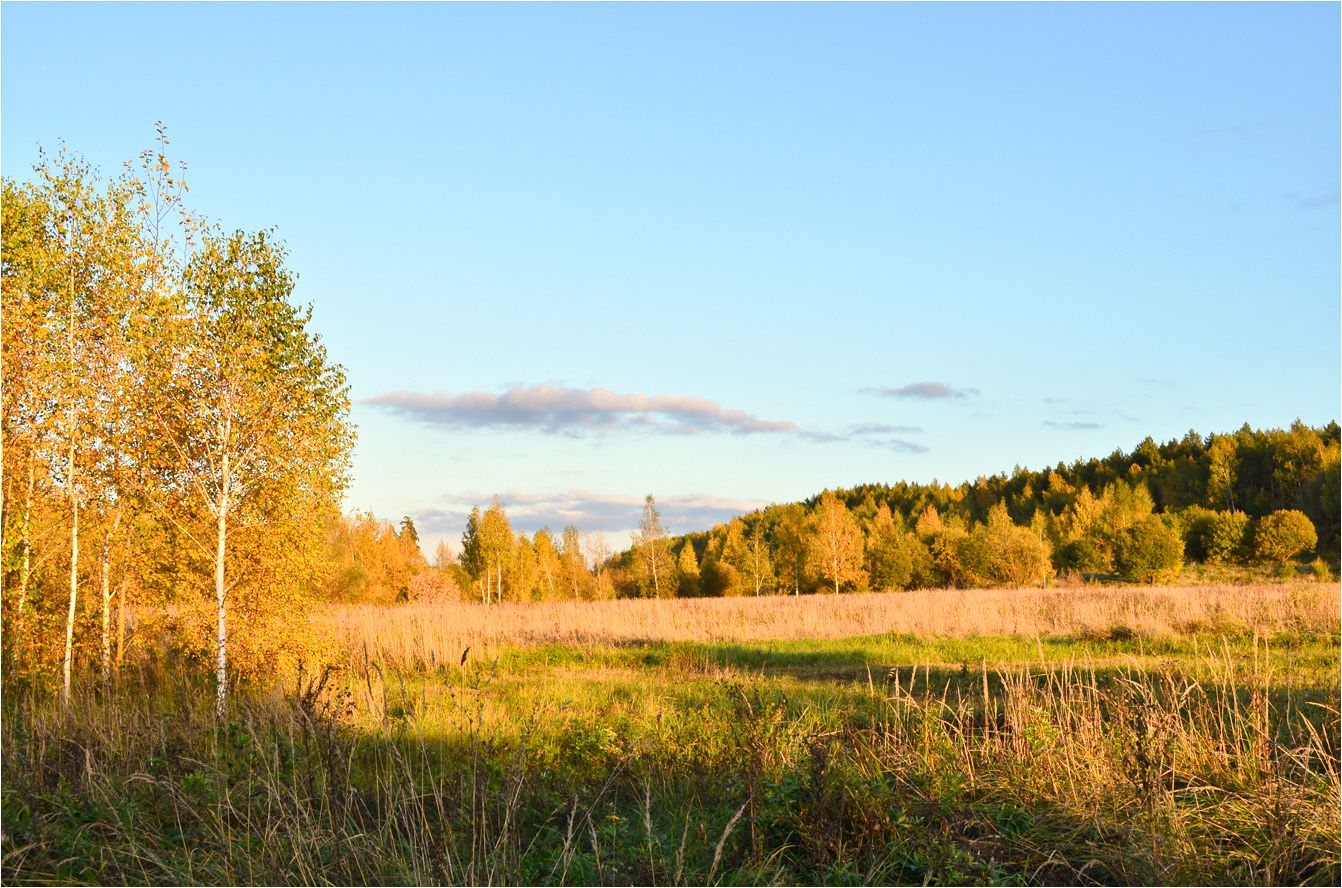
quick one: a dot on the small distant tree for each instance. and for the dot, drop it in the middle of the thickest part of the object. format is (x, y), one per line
(790, 552)
(408, 531)
(548, 564)
(598, 553)
(759, 566)
(496, 548)
(1214, 537)
(473, 553)
(573, 564)
(717, 576)
(895, 558)
(654, 569)
(1149, 551)
(834, 544)
(524, 571)
(688, 567)
(1283, 535)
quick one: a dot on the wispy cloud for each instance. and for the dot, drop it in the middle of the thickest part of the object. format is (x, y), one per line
(575, 412)
(529, 512)
(885, 437)
(1073, 426)
(1321, 200)
(922, 391)
(875, 428)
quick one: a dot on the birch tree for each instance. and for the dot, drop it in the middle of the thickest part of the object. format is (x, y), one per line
(759, 566)
(496, 547)
(834, 545)
(653, 554)
(252, 414)
(29, 303)
(77, 217)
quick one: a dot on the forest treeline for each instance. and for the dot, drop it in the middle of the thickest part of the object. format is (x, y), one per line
(1267, 498)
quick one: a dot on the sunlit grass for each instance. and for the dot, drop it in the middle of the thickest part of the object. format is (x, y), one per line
(1164, 739)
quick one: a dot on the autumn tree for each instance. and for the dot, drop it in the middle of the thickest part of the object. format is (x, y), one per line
(496, 548)
(598, 553)
(443, 556)
(1283, 535)
(1149, 551)
(549, 568)
(790, 547)
(895, 558)
(688, 568)
(573, 564)
(654, 568)
(759, 564)
(523, 570)
(88, 284)
(253, 418)
(834, 544)
(29, 358)
(1000, 553)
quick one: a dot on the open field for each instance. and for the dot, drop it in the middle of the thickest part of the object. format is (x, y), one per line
(1077, 736)
(430, 634)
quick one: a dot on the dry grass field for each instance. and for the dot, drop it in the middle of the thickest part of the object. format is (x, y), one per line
(1080, 736)
(436, 633)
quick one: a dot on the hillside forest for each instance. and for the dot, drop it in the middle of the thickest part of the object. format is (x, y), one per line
(177, 442)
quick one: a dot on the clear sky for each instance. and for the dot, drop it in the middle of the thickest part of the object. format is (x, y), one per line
(735, 254)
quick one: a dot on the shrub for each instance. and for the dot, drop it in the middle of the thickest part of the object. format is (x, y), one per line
(1083, 554)
(1283, 535)
(1149, 551)
(1215, 537)
(1002, 554)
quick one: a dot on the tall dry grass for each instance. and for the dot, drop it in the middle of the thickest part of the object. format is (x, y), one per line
(415, 633)
(1157, 778)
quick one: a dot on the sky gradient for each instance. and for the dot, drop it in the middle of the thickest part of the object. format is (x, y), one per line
(736, 254)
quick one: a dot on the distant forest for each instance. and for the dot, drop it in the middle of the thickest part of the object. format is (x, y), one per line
(1266, 498)
(1251, 496)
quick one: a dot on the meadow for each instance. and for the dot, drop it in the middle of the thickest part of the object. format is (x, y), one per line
(1088, 735)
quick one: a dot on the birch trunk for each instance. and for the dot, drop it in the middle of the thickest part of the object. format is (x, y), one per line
(70, 488)
(221, 665)
(74, 582)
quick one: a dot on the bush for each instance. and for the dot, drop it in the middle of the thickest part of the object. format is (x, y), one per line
(1215, 537)
(1002, 554)
(1149, 551)
(1283, 535)
(1084, 554)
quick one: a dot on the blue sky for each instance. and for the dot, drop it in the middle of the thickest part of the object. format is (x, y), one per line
(735, 254)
